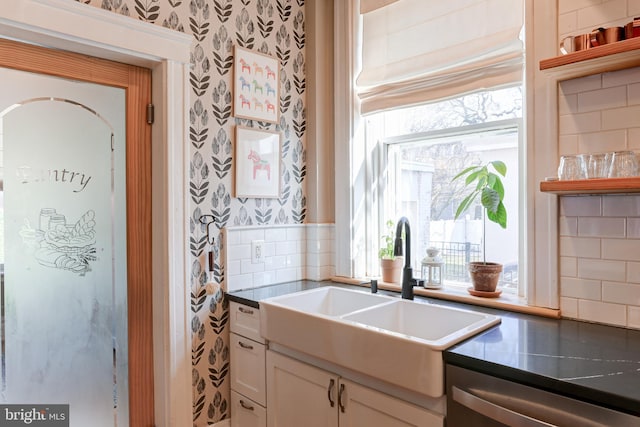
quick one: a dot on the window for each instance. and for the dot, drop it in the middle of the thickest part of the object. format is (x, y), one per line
(422, 149)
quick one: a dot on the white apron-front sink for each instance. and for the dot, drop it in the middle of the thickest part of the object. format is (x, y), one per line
(389, 339)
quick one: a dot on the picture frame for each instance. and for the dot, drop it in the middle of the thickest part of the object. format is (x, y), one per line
(257, 163)
(256, 86)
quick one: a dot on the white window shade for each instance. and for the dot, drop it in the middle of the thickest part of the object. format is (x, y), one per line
(421, 50)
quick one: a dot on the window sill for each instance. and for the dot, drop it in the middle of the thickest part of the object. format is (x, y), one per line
(506, 302)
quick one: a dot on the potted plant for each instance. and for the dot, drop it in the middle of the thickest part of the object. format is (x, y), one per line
(390, 264)
(487, 185)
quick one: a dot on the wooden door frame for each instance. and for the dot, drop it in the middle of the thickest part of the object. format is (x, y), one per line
(136, 81)
(74, 26)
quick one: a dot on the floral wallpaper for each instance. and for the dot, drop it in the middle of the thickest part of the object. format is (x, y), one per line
(273, 27)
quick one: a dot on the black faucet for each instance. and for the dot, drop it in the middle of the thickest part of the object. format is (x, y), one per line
(408, 282)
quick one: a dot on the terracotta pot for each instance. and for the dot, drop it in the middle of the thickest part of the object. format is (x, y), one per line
(392, 269)
(485, 276)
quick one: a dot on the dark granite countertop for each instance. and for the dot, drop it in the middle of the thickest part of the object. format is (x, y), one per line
(590, 362)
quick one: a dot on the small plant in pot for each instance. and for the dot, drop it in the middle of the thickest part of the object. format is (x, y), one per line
(390, 265)
(487, 185)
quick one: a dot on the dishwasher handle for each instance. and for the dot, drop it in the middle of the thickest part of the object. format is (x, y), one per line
(495, 412)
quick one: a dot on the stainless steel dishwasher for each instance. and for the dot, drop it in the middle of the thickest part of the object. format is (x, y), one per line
(479, 400)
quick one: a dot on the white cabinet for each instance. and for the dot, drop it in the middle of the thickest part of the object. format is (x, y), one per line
(246, 413)
(299, 394)
(248, 368)
(248, 377)
(245, 321)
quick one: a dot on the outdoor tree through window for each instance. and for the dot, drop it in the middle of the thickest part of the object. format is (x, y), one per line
(426, 147)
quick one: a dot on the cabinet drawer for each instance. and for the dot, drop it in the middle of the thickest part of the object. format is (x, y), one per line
(245, 321)
(248, 375)
(246, 413)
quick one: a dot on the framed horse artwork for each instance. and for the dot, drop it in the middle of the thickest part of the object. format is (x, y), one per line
(256, 85)
(257, 163)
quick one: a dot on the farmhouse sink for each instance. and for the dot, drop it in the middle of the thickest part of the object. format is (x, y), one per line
(436, 326)
(330, 301)
(383, 337)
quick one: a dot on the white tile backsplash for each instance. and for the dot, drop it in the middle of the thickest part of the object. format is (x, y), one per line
(602, 13)
(581, 288)
(620, 118)
(601, 227)
(633, 138)
(583, 84)
(567, 144)
(633, 94)
(583, 122)
(568, 226)
(568, 104)
(601, 99)
(599, 269)
(568, 266)
(621, 77)
(625, 206)
(621, 293)
(580, 247)
(599, 235)
(580, 206)
(291, 252)
(569, 307)
(621, 249)
(600, 142)
(602, 312)
(633, 317)
(633, 272)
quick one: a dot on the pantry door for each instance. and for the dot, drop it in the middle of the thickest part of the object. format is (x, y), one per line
(75, 243)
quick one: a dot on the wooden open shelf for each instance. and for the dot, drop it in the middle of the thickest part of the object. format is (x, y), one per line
(592, 186)
(600, 59)
(594, 52)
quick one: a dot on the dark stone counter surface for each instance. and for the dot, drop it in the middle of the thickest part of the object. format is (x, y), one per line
(591, 362)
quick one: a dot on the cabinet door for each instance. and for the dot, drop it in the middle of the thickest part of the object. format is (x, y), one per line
(246, 413)
(363, 407)
(248, 368)
(299, 394)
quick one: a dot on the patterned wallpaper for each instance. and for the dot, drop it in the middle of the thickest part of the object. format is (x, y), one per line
(273, 27)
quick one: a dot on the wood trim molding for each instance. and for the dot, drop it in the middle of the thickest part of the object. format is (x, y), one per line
(73, 26)
(137, 84)
(77, 27)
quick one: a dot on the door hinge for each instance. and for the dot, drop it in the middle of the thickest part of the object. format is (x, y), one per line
(150, 114)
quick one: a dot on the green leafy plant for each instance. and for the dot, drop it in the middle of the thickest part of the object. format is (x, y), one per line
(386, 250)
(486, 184)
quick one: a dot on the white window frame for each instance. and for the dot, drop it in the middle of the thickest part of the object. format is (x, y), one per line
(541, 131)
(376, 183)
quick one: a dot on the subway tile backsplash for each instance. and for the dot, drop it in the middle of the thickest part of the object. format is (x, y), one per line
(599, 235)
(600, 259)
(291, 252)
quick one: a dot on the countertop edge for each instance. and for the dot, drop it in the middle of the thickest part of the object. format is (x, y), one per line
(552, 385)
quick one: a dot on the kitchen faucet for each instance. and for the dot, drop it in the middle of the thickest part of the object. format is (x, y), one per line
(408, 282)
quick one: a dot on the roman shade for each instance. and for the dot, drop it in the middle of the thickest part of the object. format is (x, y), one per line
(415, 51)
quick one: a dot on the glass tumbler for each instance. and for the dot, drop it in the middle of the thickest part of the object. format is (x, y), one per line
(572, 167)
(623, 164)
(598, 165)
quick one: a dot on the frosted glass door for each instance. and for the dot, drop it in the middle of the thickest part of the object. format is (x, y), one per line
(64, 307)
